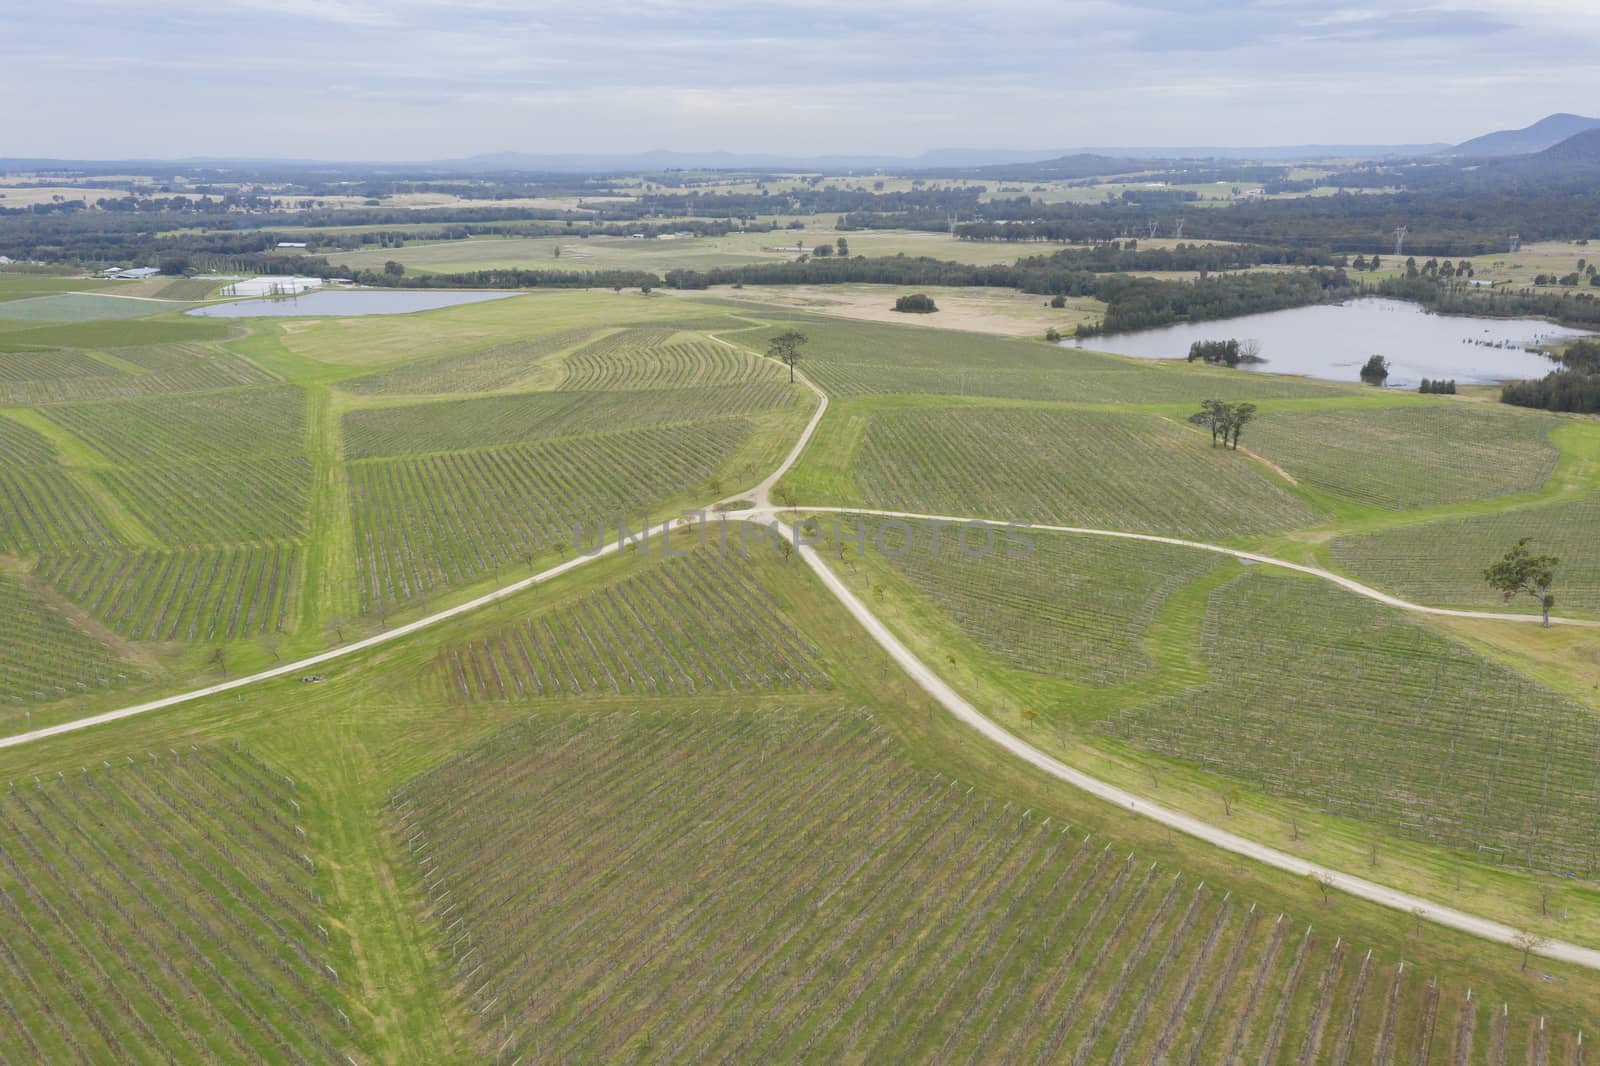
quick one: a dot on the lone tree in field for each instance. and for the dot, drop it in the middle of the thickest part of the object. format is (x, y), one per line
(785, 347)
(1522, 571)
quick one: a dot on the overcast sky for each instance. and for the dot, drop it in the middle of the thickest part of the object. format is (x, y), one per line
(417, 79)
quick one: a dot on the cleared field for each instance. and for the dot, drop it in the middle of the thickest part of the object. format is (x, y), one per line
(1442, 563)
(435, 521)
(459, 425)
(167, 909)
(1069, 607)
(1342, 704)
(488, 369)
(638, 359)
(1082, 467)
(700, 623)
(1399, 457)
(41, 508)
(209, 594)
(774, 887)
(43, 656)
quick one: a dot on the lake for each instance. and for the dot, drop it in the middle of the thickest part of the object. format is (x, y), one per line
(1332, 341)
(343, 302)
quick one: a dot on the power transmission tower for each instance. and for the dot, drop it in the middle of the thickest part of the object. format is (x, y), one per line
(1515, 244)
(953, 219)
(1153, 224)
(1399, 240)
(1178, 231)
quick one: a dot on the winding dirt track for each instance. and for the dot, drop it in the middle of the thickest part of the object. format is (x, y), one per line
(938, 689)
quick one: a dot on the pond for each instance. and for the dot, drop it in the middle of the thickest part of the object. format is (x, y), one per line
(1332, 341)
(343, 302)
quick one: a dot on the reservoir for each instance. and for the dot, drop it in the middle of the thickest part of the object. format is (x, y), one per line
(344, 302)
(1332, 341)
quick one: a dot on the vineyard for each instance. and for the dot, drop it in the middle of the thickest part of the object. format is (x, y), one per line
(50, 376)
(1443, 562)
(43, 656)
(1399, 457)
(204, 469)
(609, 364)
(777, 887)
(236, 425)
(167, 908)
(435, 521)
(695, 624)
(1071, 607)
(460, 425)
(203, 594)
(485, 370)
(1342, 704)
(1080, 467)
(41, 508)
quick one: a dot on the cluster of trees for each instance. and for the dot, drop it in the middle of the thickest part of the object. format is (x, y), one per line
(899, 270)
(1451, 297)
(1142, 303)
(1108, 257)
(1229, 353)
(1438, 388)
(916, 304)
(1562, 390)
(1445, 221)
(1225, 420)
(510, 278)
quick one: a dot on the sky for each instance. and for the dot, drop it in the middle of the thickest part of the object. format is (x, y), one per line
(436, 79)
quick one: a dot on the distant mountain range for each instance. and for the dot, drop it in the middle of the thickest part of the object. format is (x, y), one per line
(1546, 133)
(945, 159)
(935, 159)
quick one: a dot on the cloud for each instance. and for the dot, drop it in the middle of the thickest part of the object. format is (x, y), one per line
(410, 78)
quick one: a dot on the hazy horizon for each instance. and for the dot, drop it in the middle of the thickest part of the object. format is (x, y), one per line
(421, 79)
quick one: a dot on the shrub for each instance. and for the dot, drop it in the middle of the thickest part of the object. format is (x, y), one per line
(917, 304)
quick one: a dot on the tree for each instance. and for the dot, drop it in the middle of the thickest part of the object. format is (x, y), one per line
(917, 304)
(1375, 371)
(785, 347)
(1529, 943)
(394, 269)
(1520, 571)
(1324, 882)
(1239, 417)
(843, 247)
(1216, 415)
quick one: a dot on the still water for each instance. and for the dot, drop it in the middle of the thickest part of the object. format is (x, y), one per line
(1332, 341)
(342, 302)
